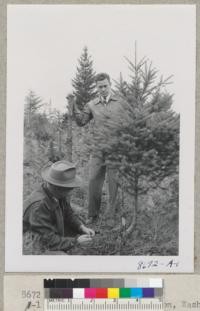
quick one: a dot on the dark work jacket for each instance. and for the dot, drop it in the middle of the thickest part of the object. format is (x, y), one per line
(52, 219)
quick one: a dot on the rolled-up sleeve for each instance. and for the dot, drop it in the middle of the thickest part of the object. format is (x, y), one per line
(41, 221)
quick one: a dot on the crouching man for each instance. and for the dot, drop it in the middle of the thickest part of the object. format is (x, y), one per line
(48, 217)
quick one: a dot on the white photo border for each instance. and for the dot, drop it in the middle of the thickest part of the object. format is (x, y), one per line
(15, 261)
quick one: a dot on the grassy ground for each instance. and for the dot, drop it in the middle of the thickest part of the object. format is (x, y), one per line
(156, 232)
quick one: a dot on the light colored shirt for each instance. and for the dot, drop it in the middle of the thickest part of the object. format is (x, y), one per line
(105, 100)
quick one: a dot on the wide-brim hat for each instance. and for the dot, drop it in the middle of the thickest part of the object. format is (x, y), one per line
(61, 173)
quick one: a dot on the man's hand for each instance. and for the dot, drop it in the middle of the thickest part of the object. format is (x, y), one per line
(84, 239)
(87, 231)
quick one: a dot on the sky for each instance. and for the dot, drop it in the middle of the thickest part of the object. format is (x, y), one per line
(45, 41)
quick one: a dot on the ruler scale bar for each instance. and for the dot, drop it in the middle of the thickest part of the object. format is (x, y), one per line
(103, 294)
(94, 305)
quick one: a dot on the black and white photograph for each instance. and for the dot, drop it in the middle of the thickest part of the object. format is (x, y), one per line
(100, 138)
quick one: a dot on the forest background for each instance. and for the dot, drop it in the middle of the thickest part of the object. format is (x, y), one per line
(142, 144)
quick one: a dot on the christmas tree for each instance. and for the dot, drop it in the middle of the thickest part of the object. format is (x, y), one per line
(84, 81)
(142, 141)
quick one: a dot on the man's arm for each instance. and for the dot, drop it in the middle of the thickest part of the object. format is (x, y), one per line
(40, 221)
(82, 117)
(71, 219)
(74, 223)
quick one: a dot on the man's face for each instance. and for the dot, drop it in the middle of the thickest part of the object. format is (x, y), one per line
(59, 192)
(103, 87)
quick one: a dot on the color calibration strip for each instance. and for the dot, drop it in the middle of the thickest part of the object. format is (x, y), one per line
(103, 283)
(103, 288)
(105, 293)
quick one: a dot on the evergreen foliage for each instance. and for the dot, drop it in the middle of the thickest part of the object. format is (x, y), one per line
(83, 91)
(33, 102)
(84, 81)
(142, 141)
(35, 122)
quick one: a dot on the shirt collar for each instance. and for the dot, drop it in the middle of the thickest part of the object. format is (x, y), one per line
(108, 98)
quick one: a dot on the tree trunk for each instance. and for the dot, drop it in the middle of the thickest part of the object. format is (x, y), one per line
(135, 209)
(69, 141)
(60, 143)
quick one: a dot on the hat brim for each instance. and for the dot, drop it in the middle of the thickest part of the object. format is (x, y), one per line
(75, 183)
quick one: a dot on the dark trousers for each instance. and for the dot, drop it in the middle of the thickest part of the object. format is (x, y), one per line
(98, 170)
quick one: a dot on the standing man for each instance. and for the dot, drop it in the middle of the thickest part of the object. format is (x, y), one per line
(48, 216)
(96, 109)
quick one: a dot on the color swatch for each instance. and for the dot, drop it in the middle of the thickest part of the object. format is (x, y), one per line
(103, 283)
(106, 293)
(102, 289)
